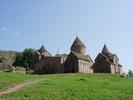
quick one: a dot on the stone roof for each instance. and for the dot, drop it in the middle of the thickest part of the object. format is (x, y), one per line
(105, 50)
(58, 55)
(79, 56)
(110, 57)
(43, 51)
(42, 48)
(77, 43)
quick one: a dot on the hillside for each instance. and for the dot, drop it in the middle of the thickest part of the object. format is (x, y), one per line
(6, 58)
(68, 87)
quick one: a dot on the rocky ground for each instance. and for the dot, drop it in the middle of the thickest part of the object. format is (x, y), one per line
(6, 59)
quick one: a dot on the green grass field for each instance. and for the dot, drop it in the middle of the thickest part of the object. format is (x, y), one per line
(68, 87)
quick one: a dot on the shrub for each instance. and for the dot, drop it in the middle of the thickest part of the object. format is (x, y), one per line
(130, 73)
(25, 58)
(1, 59)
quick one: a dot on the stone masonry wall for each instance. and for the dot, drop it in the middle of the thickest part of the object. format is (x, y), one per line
(51, 65)
(85, 66)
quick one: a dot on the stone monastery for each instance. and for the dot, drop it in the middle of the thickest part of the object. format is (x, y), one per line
(77, 61)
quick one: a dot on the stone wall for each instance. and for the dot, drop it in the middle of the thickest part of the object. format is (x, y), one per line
(85, 66)
(71, 64)
(50, 65)
(120, 69)
(101, 67)
(112, 69)
(116, 69)
(75, 65)
(19, 69)
(80, 50)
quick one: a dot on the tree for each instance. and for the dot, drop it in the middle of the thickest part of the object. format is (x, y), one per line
(18, 59)
(65, 55)
(25, 58)
(1, 59)
(130, 73)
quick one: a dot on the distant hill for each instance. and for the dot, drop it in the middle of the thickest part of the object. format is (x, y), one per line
(6, 58)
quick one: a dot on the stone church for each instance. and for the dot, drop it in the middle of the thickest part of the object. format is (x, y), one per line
(107, 62)
(76, 61)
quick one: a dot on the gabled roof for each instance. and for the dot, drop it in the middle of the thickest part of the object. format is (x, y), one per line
(109, 58)
(82, 57)
(77, 43)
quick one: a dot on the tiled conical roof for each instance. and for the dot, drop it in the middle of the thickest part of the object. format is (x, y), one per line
(77, 43)
(43, 51)
(105, 50)
(42, 48)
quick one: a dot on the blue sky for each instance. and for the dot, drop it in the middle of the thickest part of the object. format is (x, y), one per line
(55, 23)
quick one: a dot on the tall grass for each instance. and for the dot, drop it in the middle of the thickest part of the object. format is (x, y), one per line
(75, 87)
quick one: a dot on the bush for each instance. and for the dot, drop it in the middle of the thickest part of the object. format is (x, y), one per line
(25, 58)
(130, 73)
(1, 60)
(65, 55)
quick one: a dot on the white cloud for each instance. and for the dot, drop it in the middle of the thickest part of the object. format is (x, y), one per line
(16, 34)
(4, 28)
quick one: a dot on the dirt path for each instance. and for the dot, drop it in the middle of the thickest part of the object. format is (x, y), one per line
(13, 89)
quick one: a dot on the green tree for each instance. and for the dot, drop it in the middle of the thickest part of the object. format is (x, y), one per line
(1, 59)
(65, 55)
(25, 58)
(18, 59)
(130, 73)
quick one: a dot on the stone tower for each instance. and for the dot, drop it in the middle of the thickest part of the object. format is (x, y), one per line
(78, 60)
(78, 47)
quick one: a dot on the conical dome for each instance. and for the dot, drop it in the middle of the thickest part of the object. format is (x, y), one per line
(43, 51)
(42, 48)
(78, 46)
(105, 50)
(77, 43)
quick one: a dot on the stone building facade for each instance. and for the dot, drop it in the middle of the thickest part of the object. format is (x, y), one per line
(48, 65)
(107, 62)
(77, 61)
(45, 63)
